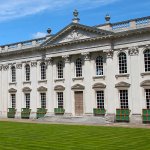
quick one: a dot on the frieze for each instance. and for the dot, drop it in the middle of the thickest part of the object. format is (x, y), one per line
(5, 67)
(33, 64)
(133, 51)
(49, 60)
(86, 55)
(19, 66)
(66, 58)
(109, 53)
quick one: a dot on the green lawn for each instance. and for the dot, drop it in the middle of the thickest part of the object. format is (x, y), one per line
(26, 136)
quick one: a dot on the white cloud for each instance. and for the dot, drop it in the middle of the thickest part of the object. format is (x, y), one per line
(39, 35)
(10, 9)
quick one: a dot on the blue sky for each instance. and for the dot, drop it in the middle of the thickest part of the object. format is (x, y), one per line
(26, 19)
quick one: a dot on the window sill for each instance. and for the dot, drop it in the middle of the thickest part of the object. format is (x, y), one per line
(145, 74)
(122, 75)
(42, 81)
(59, 80)
(77, 78)
(27, 82)
(12, 83)
(99, 77)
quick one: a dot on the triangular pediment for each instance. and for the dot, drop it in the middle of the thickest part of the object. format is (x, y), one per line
(75, 32)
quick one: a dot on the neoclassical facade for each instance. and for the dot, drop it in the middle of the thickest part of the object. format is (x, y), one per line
(78, 69)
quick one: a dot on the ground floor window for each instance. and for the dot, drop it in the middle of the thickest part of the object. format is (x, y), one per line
(27, 98)
(100, 99)
(13, 100)
(147, 92)
(60, 99)
(43, 100)
(124, 99)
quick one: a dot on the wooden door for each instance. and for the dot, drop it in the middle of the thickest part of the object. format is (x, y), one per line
(78, 103)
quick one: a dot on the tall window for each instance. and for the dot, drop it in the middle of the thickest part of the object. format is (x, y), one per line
(13, 100)
(147, 60)
(27, 98)
(60, 69)
(147, 92)
(27, 72)
(122, 63)
(43, 100)
(60, 99)
(13, 74)
(100, 99)
(79, 67)
(124, 99)
(43, 71)
(99, 65)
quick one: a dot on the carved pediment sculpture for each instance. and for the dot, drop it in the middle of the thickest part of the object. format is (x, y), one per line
(26, 89)
(12, 90)
(99, 85)
(145, 84)
(59, 87)
(78, 87)
(122, 84)
(42, 89)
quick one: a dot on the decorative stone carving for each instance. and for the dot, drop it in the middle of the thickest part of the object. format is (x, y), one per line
(99, 85)
(12, 90)
(145, 83)
(133, 51)
(26, 89)
(49, 60)
(33, 64)
(59, 87)
(1, 67)
(86, 55)
(122, 84)
(78, 87)
(5, 67)
(42, 89)
(66, 58)
(18, 66)
(109, 53)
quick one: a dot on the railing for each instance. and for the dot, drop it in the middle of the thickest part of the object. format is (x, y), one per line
(22, 45)
(120, 26)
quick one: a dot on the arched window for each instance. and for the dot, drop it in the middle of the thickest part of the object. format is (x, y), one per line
(43, 71)
(79, 67)
(60, 69)
(27, 72)
(13, 74)
(99, 65)
(122, 63)
(147, 60)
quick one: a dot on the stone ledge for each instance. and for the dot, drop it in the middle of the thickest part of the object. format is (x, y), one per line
(145, 74)
(27, 82)
(59, 80)
(12, 83)
(78, 78)
(99, 77)
(122, 75)
(42, 81)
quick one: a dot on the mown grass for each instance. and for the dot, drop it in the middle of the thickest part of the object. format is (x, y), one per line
(26, 136)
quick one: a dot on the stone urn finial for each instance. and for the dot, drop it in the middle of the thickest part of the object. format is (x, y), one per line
(75, 14)
(49, 30)
(107, 18)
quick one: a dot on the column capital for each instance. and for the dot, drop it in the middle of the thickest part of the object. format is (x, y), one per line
(86, 55)
(66, 58)
(133, 51)
(49, 60)
(109, 53)
(5, 67)
(19, 66)
(33, 63)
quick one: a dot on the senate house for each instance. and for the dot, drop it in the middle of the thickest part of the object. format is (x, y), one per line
(101, 71)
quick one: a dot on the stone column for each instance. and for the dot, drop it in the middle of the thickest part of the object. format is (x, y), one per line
(67, 92)
(110, 98)
(50, 101)
(87, 101)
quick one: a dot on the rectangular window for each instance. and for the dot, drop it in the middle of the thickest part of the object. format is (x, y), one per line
(60, 70)
(100, 99)
(43, 71)
(60, 99)
(27, 98)
(147, 92)
(13, 71)
(124, 99)
(43, 100)
(13, 100)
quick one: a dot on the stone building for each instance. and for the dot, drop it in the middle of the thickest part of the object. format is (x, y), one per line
(78, 69)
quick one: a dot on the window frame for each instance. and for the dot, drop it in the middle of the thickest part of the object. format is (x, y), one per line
(13, 100)
(13, 74)
(147, 100)
(124, 98)
(122, 62)
(100, 104)
(27, 100)
(60, 99)
(60, 70)
(27, 72)
(99, 65)
(147, 60)
(42, 100)
(43, 71)
(78, 68)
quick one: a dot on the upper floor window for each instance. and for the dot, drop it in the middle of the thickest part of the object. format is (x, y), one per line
(27, 72)
(79, 67)
(43, 71)
(147, 60)
(60, 69)
(124, 99)
(13, 74)
(99, 65)
(122, 63)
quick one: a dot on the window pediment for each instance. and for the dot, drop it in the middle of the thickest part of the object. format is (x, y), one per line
(99, 85)
(42, 89)
(145, 83)
(12, 90)
(26, 89)
(122, 84)
(78, 87)
(59, 87)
